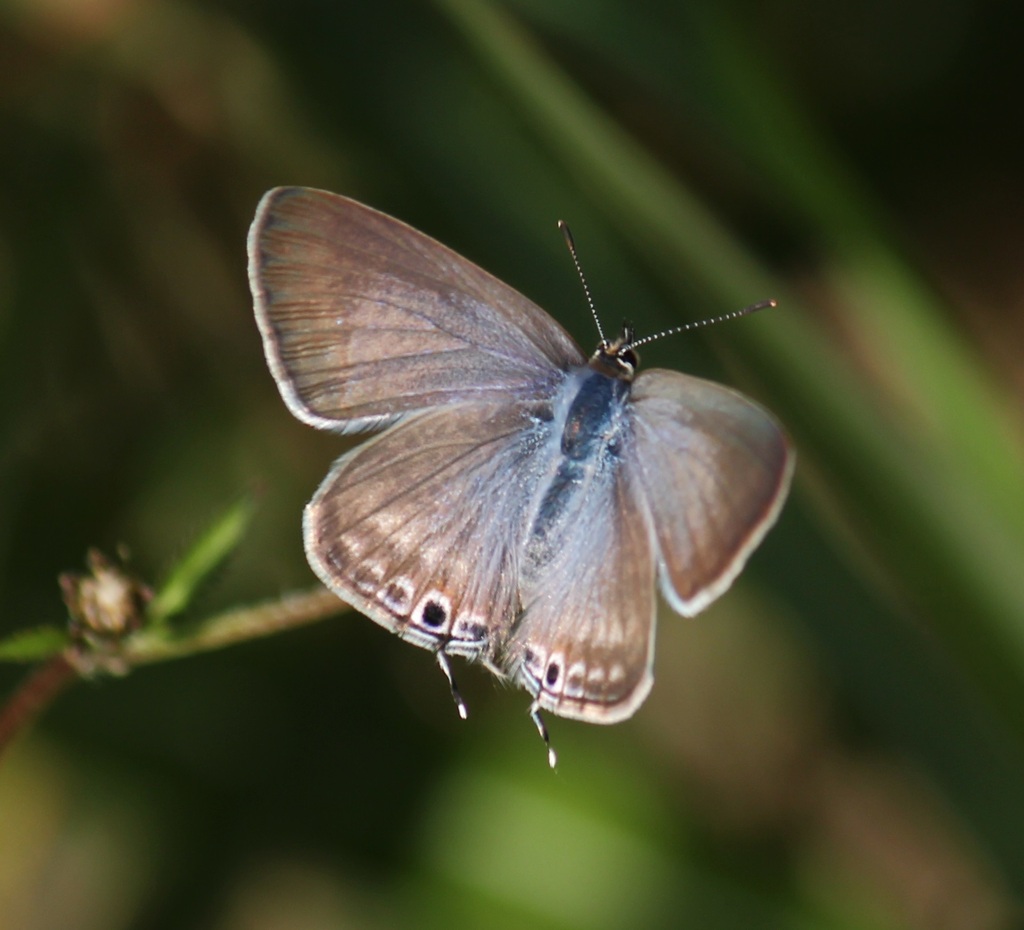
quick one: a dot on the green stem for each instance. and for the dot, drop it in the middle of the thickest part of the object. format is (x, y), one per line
(163, 643)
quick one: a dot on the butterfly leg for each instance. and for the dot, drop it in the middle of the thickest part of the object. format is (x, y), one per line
(460, 705)
(542, 729)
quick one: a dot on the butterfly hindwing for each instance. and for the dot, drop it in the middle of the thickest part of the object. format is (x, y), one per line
(420, 527)
(714, 469)
(584, 644)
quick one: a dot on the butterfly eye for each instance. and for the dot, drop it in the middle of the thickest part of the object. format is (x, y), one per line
(615, 359)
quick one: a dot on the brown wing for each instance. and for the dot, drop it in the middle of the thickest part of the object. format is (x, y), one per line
(365, 319)
(715, 469)
(420, 527)
(584, 646)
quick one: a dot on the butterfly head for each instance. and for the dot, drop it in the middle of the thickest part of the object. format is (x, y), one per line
(616, 357)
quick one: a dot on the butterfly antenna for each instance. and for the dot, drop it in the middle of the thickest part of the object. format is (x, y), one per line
(571, 244)
(700, 324)
(542, 729)
(460, 705)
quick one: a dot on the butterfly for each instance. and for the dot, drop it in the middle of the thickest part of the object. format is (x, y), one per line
(520, 502)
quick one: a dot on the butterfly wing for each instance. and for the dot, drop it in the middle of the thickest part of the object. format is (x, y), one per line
(365, 319)
(714, 469)
(584, 643)
(420, 527)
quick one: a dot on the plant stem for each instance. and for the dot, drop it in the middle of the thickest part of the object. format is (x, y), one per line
(235, 626)
(38, 691)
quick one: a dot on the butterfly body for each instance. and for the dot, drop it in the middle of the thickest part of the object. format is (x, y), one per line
(584, 445)
(521, 502)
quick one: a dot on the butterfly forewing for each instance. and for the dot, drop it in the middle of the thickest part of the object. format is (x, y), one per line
(714, 468)
(365, 319)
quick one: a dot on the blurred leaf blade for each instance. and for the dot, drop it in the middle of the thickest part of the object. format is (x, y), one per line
(33, 645)
(207, 553)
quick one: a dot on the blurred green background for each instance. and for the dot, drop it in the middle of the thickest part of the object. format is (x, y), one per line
(839, 742)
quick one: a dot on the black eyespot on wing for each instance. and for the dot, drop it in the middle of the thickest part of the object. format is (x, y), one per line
(434, 614)
(551, 676)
